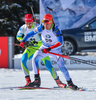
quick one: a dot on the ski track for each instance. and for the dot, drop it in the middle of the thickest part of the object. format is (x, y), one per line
(13, 78)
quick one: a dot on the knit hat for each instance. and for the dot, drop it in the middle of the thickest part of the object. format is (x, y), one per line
(47, 19)
(28, 18)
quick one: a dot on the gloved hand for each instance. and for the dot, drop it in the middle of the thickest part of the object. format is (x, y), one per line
(46, 50)
(22, 44)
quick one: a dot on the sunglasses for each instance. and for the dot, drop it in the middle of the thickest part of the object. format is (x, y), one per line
(46, 21)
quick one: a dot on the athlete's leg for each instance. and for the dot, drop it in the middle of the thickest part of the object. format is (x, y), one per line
(24, 65)
(28, 53)
(37, 56)
(60, 63)
(49, 66)
(65, 72)
(46, 61)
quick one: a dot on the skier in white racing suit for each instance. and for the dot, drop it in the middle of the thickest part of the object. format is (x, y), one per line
(51, 41)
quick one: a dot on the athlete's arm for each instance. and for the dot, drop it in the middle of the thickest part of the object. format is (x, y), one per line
(32, 33)
(59, 39)
(20, 34)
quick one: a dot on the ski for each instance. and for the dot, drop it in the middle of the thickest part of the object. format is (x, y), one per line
(54, 88)
(32, 88)
(81, 89)
(68, 88)
(11, 88)
(26, 88)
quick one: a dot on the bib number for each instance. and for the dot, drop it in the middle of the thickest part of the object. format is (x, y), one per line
(48, 40)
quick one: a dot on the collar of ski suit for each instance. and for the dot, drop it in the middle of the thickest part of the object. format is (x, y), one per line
(51, 26)
(32, 25)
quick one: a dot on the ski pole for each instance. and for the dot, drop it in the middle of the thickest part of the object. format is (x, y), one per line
(16, 44)
(50, 9)
(64, 56)
(67, 57)
(32, 12)
(82, 61)
(73, 58)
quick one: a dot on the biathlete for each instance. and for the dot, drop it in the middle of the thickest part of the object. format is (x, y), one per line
(52, 41)
(29, 52)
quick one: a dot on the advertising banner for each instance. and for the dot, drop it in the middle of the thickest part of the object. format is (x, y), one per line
(84, 63)
(69, 13)
(3, 52)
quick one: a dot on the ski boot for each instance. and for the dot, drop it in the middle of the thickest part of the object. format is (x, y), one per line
(27, 78)
(71, 85)
(60, 84)
(35, 83)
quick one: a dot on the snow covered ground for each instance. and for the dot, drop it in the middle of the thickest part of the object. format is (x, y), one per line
(82, 78)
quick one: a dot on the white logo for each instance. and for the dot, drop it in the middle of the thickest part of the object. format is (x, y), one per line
(0, 52)
(89, 36)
